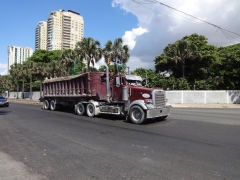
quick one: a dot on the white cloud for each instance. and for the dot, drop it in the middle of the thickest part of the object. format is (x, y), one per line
(130, 36)
(165, 26)
(3, 66)
(99, 63)
(4, 72)
(3, 69)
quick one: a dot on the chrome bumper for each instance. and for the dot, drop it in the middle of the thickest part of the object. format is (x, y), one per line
(158, 112)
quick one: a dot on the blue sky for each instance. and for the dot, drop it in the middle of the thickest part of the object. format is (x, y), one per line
(147, 28)
(19, 19)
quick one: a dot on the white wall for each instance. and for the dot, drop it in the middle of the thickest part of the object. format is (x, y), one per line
(179, 97)
(203, 97)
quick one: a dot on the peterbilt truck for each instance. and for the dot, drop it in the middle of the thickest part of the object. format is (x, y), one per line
(95, 93)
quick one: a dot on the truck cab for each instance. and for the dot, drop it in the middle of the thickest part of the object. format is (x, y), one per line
(140, 102)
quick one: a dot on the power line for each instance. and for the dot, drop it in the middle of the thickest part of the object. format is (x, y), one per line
(155, 1)
(141, 4)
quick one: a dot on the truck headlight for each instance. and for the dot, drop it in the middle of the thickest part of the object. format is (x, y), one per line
(148, 101)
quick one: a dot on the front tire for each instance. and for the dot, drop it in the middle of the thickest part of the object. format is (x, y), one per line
(46, 105)
(137, 115)
(80, 109)
(90, 110)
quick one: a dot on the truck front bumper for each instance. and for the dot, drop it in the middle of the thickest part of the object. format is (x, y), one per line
(158, 112)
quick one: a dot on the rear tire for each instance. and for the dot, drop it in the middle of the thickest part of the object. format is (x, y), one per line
(46, 105)
(53, 106)
(90, 110)
(137, 115)
(80, 109)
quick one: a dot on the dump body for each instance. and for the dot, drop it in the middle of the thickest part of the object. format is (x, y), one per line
(90, 85)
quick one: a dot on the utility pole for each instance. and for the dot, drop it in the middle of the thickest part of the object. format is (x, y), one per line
(128, 70)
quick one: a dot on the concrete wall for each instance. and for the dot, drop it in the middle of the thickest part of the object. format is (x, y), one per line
(180, 97)
(203, 97)
(36, 95)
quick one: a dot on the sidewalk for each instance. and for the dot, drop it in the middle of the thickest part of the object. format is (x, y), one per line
(36, 101)
(25, 101)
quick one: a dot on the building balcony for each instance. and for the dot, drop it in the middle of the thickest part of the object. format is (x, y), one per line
(66, 32)
(66, 17)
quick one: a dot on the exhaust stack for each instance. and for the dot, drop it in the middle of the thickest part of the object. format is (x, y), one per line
(107, 84)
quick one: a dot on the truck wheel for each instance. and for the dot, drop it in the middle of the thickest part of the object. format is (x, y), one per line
(90, 110)
(80, 109)
(46, 105)
(137, 115)
(53, 106)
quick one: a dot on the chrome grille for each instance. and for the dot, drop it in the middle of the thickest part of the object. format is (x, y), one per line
(159, 98)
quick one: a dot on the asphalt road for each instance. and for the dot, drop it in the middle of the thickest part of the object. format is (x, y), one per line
(191, 144)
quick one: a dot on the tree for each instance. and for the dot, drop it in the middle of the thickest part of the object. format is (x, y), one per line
(180, 51)
(41, 71)
(67, 59)
(6, 83)
(89, 50)
(228, 67)
(15, 72)
(44, 56)
(54, 69)
(116, 52)
(22, 75)
(31, 70)
(198, 70)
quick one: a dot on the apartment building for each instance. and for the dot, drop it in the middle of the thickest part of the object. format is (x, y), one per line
(41, 35)
(18, 54)
(64, 30)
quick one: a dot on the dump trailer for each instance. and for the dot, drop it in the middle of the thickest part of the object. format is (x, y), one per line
(95, 93)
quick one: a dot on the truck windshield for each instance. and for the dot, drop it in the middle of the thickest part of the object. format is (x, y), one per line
(134, 82)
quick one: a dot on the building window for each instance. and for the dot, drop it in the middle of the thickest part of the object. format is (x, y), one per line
(15, 55)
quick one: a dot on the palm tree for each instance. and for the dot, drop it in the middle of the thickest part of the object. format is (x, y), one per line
(15, 72)
(180, 51)
(41, 72)
(54, 68)
(23, 74)
(89, 50)
(6, 83)
(116, 52)
(67, 59)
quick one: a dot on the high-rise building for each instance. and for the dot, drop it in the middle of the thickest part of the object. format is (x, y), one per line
(18, 54)
(41, 35)
(64, 30)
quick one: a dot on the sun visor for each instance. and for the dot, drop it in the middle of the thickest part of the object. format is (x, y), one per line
(133, 77)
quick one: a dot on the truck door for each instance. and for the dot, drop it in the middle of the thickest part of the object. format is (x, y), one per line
(117, 89)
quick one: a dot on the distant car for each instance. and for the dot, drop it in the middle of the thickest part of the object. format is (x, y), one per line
(3, 102)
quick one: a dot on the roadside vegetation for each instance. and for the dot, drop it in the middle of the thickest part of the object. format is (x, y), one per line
(188, 64)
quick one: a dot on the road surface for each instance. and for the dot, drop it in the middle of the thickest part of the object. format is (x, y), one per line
(190, 144)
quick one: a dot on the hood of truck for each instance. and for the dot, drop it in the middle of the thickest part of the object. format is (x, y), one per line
(139, 93)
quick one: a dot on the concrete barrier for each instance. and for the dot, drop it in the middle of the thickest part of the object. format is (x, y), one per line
(35, 95)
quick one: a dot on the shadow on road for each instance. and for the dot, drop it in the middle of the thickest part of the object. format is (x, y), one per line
(4, 112)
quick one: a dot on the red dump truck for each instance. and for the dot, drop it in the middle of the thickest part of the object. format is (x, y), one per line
(96, 93)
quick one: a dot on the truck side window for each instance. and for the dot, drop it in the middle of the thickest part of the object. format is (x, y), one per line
(117, 82)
